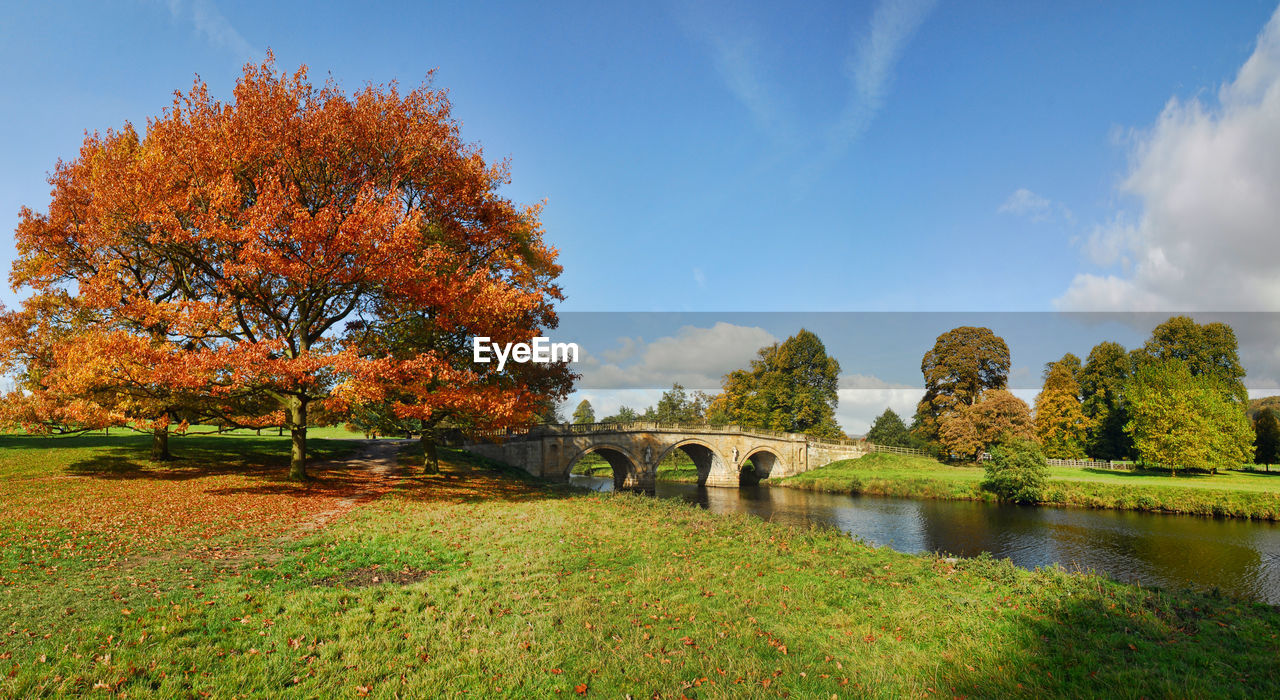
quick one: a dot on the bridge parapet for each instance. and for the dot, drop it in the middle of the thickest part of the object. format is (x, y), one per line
(548, 429)
(725, 455)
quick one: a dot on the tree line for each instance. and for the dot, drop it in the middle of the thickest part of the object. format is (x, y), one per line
(1179, 401)
(789, 387)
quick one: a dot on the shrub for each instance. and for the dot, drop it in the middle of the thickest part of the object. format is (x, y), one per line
(1017, 471)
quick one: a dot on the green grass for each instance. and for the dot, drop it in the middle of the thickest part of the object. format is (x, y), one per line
(473, 582)
(1253, 495)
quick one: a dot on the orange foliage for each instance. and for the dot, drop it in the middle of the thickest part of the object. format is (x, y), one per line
(248, 258)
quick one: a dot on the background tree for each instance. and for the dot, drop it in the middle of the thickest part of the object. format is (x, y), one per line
(889, 430)
(548, 412)
(1060, 424)
(1256, 405)
(1183, 420)
(1102, 382)
(584, 413)
(1017, 471)
(790, 386)
(625, 414)
(963, 363)
(1266, 431)
(282, 215)
(1208, 350)
(998, 416)
(677, 405)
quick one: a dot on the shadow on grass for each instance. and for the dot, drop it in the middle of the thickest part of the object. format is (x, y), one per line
(264, 461)
(1105, 640)
(1144, 473)
(468, 478)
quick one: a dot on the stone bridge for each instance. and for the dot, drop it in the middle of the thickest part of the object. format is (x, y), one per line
(724, 455)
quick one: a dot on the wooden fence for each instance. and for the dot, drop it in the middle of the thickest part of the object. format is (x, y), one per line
(1091, 464)
(891, 449)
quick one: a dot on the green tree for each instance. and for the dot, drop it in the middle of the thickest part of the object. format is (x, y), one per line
(1061, 426)
(1180, 419)
(1266, 430)
(963, 363)
(584, 413)
(1208, 350)
(677, 405)
(1102, 381)
(790, 386)
(625, 414)
(888, 429)
(1017, 471)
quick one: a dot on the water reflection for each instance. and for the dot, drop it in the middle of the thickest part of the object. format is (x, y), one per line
(1238, 557)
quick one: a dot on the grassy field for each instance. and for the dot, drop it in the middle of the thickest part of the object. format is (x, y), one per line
(216, 576)
(1254, 495)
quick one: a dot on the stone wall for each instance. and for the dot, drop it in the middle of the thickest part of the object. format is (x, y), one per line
(823, 453)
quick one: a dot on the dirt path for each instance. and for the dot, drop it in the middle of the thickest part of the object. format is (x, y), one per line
(380, 457)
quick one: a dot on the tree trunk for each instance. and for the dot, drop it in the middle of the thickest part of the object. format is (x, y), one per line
(160, 444)
(430, 458)
(298, 429)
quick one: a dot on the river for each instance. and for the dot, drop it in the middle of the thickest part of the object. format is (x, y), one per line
(1238, 557)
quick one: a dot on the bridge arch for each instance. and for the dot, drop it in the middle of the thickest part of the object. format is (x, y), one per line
(704, 456)
(625, 465)
(757, 464)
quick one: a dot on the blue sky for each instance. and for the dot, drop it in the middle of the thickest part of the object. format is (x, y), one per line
(875, 156)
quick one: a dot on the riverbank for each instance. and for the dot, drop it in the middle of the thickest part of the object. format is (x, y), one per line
(1249, 495)
(222, 578)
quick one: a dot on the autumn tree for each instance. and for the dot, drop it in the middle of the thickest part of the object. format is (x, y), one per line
(1102, 381)
(1060, 424)
(1266, 431)
(969, 430)
(79, 362)
(888, 429)
(790, 386)
(288, 229)
(584, 413)
(963, 363)
(1180, 419)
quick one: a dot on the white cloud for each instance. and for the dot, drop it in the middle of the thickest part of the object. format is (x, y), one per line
(1023, 202)
(696, 357)
(1207, 178)
(862, 398)
(870, 67)
(734, 61)
(210, 23)
(736, 53)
